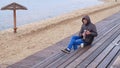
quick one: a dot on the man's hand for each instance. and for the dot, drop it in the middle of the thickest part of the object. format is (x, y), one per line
(88, 32)
(83, 34)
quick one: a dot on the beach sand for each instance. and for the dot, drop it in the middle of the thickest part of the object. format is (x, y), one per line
(34, 37)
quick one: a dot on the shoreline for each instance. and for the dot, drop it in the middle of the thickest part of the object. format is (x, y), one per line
(49, 23)
(29, 38)
(44, 24)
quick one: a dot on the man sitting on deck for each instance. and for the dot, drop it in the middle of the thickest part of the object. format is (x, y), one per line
(86, 35)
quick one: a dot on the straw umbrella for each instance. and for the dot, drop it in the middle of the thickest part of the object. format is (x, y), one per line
(14, 6)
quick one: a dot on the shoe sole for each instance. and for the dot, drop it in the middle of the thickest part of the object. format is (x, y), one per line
(65, 51)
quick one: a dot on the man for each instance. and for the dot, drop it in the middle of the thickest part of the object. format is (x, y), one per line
(86, 35)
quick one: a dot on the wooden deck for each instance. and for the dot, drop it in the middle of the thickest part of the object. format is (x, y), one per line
(102, 54)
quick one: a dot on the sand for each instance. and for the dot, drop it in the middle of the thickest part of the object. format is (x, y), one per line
(34, 37)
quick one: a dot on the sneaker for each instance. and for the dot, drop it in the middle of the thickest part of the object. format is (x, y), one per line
(66, 51)
(82, 45)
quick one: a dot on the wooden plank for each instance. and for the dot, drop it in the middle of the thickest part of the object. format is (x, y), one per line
(99, 58)
(56, 63)
(109, 58)
(107, 22)
(86, 54)
(111, 65)
(91, 57)
(51, 58)
(101, 32)
(59, 55)
(48, 60)
(17, 66)
(116, 63)
(65, 57)
(66, 62)
(79, 60)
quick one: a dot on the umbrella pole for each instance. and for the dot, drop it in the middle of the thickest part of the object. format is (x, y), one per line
(14, 14)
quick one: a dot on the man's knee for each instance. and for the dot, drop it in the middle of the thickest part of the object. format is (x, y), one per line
(74, 37)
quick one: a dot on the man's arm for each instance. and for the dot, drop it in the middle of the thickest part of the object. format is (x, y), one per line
(81, 32)
(94, 31)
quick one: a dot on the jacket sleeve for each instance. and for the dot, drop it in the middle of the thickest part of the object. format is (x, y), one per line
(94, 31)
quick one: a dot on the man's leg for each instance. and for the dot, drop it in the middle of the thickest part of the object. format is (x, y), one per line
(72, 42)
(76, 43)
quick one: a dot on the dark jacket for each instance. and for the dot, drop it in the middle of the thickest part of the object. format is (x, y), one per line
(90, 27)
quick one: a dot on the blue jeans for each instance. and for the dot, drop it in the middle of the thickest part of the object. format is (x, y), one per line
(74, 42)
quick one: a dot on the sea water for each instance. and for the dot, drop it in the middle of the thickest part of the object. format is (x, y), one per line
(40, 10)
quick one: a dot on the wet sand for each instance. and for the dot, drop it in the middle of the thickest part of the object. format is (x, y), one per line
(38, 36)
